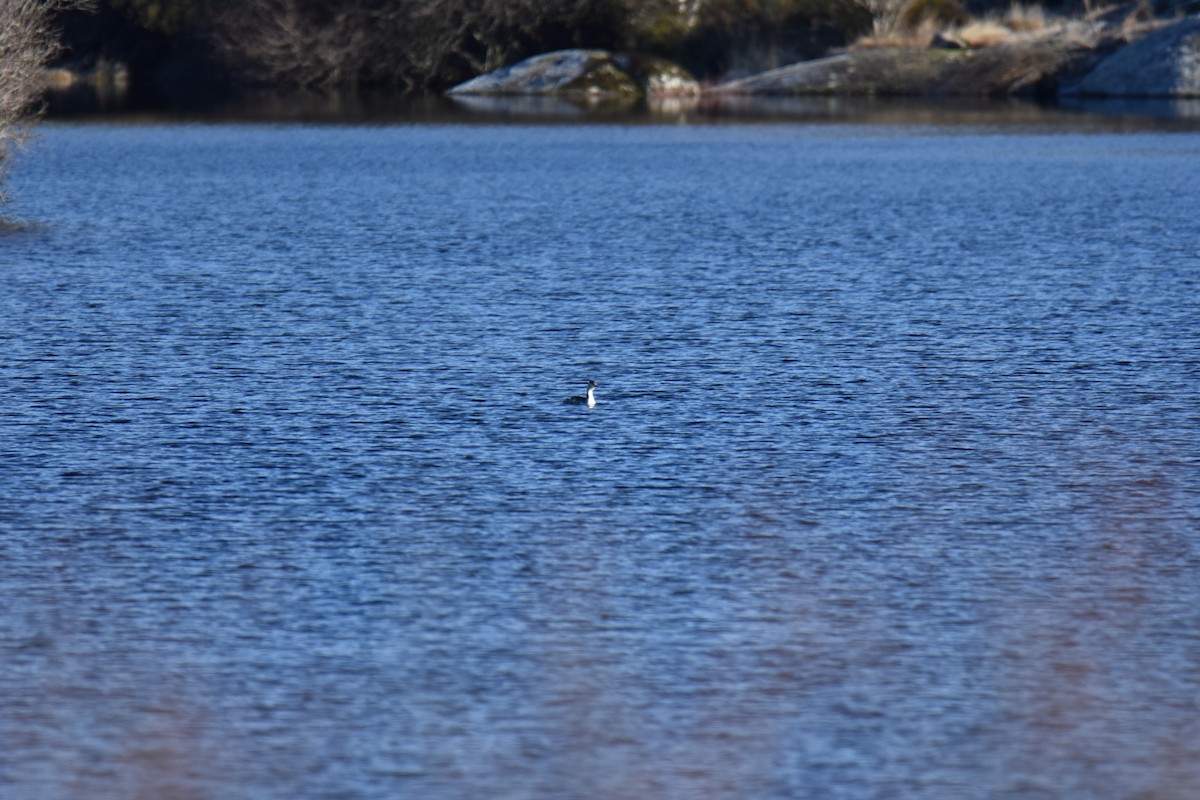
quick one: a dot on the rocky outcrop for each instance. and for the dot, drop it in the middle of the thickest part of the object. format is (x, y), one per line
(1165, 63)
(585, 73)
(1081, 57)
(1039, 63)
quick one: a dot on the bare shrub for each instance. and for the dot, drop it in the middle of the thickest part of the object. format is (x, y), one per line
(886, 15)
(290, 43)
(27, 42)
(916, 37)
(939, 12)
(416, 45)
(746, 36)
(913, 24)
(458, 39)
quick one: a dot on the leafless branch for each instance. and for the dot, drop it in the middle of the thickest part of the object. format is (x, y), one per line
(414, 44)
(27, 42)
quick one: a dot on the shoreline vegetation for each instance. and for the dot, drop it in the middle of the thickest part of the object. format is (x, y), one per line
(177, 53)
(1123, 51)
(661, 55)
(115, 55)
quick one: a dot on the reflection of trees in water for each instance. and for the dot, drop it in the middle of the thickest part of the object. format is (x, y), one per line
(1078, 652)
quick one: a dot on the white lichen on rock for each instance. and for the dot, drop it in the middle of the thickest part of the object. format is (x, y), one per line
(592, 73)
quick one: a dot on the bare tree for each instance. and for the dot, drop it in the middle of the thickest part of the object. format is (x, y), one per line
(27, 41)
(458, 39)
(294, 43)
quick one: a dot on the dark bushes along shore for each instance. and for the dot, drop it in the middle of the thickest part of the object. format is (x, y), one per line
(170, 52)
(170, 49)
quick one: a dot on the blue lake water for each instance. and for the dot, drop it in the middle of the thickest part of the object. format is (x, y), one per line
(892, 491)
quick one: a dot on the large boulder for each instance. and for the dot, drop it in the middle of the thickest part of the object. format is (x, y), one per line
(1165, 63)
(1036, 63)
(585, 73)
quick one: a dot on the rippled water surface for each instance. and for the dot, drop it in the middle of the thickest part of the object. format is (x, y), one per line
(892, 491)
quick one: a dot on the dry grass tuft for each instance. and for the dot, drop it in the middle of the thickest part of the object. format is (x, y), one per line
(1023, 18)
(984, 33)
(920, 20)
(916, 37)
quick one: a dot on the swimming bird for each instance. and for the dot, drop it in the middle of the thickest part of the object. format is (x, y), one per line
(589, 400)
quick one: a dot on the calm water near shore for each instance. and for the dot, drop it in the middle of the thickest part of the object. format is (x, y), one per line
(893, 489)
(1075, 113)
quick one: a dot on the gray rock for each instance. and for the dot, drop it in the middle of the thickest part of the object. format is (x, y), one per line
(1028, 63)
(1165, 63)
(589, 73)
(948, 40)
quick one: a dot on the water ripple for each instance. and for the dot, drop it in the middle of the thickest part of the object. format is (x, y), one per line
(892, 490)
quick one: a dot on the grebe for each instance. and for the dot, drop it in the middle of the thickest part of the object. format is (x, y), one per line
(589, 400)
